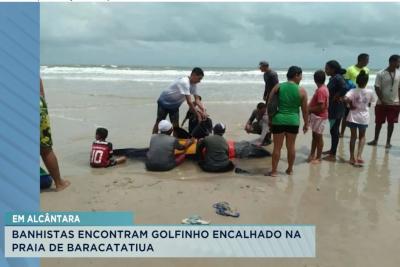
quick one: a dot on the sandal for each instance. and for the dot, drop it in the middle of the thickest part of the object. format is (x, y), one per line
(223, 208)
(195, 220)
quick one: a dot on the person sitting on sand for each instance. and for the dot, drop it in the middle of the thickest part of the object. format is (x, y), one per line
(46, 145)
(285, 123)
(260, 125)
(359, 99)
(161, 154)
(216, 157)
(318, 110)
(102, 151)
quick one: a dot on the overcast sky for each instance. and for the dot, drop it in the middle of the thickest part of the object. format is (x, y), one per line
(218, 34)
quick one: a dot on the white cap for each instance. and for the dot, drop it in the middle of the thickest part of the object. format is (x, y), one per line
(164, 126)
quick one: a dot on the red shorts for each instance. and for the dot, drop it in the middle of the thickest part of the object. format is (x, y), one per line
(389, 113)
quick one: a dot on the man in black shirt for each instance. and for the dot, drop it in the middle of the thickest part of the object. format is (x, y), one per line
(270, 78)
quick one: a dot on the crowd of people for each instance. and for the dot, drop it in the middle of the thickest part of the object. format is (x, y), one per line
(345, 99)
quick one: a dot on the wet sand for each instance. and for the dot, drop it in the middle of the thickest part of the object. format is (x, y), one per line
(356, 210)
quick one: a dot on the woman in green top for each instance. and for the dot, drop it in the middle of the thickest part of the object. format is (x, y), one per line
(285, 123)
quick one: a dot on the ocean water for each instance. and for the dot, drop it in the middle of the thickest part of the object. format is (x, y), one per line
(146, 83)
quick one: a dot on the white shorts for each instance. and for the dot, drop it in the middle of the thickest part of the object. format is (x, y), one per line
(317, 123)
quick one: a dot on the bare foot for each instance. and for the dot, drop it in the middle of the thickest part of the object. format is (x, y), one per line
(330, 157)
(64, 184)
(360, 160)
(289, 172)
(310, 158)
(272, 174)
(316, 161)
(388, 146)
(352, 161)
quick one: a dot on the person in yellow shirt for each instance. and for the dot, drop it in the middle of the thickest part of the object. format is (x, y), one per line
(351, 74)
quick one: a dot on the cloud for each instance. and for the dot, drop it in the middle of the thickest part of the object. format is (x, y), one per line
(216, 32)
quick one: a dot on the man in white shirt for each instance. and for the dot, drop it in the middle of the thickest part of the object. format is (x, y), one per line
(387, 88)
(175, 94)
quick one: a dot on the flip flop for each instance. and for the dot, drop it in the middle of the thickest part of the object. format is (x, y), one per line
(223, 208)
(195, 220)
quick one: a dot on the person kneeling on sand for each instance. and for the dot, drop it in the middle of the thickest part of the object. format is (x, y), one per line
(102, 151)
(260, 125)
(216, 157)
(161, 154)
(318, 109)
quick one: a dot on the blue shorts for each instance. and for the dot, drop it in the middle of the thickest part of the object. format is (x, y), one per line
(357, 125)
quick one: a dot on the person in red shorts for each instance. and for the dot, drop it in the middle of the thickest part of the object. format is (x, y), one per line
(102, 151)
(387, 87)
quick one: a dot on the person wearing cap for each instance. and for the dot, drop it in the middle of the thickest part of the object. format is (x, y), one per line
(175, 94)
(270, 78)
(216, 151)
(161, 154)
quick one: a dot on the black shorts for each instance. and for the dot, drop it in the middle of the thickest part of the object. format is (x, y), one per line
(163, 112)
(278, 129)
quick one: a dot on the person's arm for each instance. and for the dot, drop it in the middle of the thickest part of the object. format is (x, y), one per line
(399, 93)
(199, 104)
(319, 107)
(348, 99)
(378, 84)
(248, 127)
(110, 146)
(273, 92)
(200, 145)
(304, 107)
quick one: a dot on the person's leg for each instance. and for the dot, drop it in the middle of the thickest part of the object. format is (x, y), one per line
(291, 151)
(353, 139)
(161, 115)
(276, 154)
(311, 157)
(174, 117)
(50, 161)
(361, 143)
(320, 146)
(344, 123)
(334, 140)
(389, 134)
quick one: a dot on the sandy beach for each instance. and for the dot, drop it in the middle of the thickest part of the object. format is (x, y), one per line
(356, 210)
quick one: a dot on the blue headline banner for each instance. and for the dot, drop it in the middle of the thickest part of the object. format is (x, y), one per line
(76, 218)
(19, 114)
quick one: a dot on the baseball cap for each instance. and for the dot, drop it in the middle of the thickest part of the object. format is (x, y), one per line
(164, 126)
(263, 63)
(219, 128)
